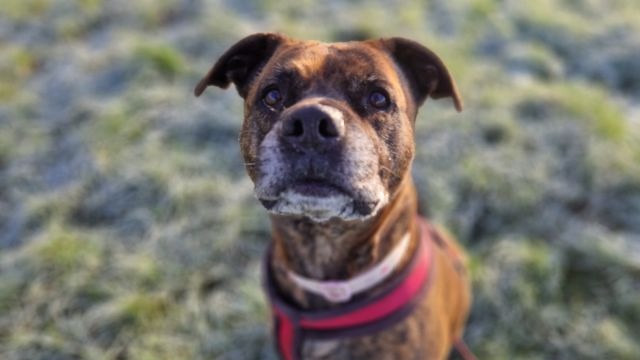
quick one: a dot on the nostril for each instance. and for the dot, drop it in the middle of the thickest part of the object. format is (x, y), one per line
(298, 129)
(327, 128)
(293, 128)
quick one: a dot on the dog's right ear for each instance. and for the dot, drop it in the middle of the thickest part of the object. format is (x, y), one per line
(241, 62)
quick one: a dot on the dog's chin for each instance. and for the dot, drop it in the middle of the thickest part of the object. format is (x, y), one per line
(322, 207)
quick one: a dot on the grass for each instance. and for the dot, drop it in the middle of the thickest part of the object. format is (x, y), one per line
(164, 59)
(128, 228)
(21, 10)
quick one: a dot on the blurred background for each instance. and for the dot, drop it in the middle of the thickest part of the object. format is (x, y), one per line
(128, 229)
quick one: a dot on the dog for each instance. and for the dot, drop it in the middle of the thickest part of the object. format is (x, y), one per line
(352, 272)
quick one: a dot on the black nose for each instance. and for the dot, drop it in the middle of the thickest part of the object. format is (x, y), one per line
(313, 128)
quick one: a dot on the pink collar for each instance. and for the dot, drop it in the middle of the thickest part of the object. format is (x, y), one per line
(342, 291)
(358, 316)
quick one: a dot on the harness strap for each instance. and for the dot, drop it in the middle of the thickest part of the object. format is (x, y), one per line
(360, 316)
(463, 350)
(459, 344)
(454, 254)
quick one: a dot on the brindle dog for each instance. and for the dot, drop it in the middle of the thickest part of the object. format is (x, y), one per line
(328, 140)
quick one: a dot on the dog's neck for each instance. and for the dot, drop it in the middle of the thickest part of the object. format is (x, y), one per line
(338, 250)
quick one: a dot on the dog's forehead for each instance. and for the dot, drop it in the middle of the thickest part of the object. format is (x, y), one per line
(333, 61)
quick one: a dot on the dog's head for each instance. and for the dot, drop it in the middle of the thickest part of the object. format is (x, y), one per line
(328, 128)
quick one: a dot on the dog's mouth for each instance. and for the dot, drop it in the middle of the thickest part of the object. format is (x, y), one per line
(320, 200)
(316, 188)
(308, 188)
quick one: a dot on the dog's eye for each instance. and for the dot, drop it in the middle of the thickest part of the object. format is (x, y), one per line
(272, 97)
(379, 100)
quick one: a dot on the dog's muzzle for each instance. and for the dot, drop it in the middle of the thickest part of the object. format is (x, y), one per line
(312, 163)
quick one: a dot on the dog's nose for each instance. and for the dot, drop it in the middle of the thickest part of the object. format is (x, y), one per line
(313, 127)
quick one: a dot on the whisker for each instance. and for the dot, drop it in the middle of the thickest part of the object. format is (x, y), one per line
(386, 169)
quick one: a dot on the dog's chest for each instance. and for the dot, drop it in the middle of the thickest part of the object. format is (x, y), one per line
(326, 349)
(367, 347)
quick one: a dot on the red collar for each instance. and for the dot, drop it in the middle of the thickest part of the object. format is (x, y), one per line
(360, 316)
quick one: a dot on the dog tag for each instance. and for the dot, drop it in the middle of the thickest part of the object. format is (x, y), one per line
(336, 292)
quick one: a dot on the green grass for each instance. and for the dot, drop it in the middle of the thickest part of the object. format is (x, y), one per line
(22, 10)
(63, 251)
(164, 59)
(128, 228)
(588, 104)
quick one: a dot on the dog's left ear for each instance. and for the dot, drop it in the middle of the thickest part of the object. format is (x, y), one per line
(425, 71)
(241, 62)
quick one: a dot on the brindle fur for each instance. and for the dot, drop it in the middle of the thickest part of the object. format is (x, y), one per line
(342, 74)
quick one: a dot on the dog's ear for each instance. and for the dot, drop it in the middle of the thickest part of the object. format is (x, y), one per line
(425, 71)
(241, 62)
